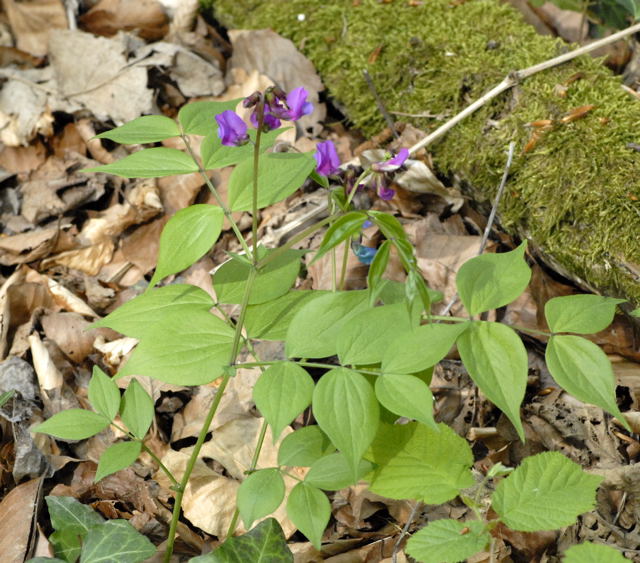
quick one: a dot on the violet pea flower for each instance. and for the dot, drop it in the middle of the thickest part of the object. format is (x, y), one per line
(269, 121)
(392, 164)
(327, 158)
(297, 106)
(232, 130)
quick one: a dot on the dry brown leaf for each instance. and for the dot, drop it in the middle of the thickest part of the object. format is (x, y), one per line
(70, 331)
(27, 247)
(33, 20)
(145, 17)
(177, 192)
(141, 247)
(19, 160)
(321, 271)
(17, 512)
(49, 377)
(89, 259)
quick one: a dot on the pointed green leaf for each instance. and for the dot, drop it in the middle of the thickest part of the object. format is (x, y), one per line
(346, 409)
(340, 230)
(593, 553)
(304, 447)
(313, 332)
(186, 238)
(4, 397)
(145, 129)
(584, 314)
(199, 118)
(73, 424)
(281, 393)
(448, 541)
(150, 163)
(376, 270)
(279, 175)
(580, 367)
(68, 514)
(333, 472)
(406, 395)
(491, 281)
(497, 362)
(116, 540)
(260, 494)
(388, 224)
(137, 409)
(546, 492)
(417, 462)
(104, 394)
(216, 155)
(309, 509)
(420, 348)
(117, 457)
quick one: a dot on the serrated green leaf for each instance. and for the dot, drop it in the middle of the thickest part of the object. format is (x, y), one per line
(309, 509)
(580, 367)
(66, 513)
(304, 447)
(363, 338)
(145, 129)
(313, 332)
(117, 457)
(140, 317)
(264, 544)
(73, 424)
(150, 163)
(281, 393)
(340, 230)
(137, 409)
(272, 281)
(491, 281)
(116, 540)
(199, 118)
(417, 462)
(104, 394)
(546, 492)
(260, 494)
(216, 155)
(583, 314)
(497, 362)
(593, 553)
(186, 238)
(420, 348)
(333, 472)
(448, 541)
(345, 406)
(406, 395)
(279, 175)
(270, 320)
(183, 350)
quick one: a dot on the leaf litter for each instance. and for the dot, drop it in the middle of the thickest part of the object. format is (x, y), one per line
(74, 246)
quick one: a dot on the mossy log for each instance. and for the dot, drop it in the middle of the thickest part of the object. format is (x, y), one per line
(574, 194)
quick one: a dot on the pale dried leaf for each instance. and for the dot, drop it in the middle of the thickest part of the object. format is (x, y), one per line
(49, 377)
(32, 21)
(17, 511)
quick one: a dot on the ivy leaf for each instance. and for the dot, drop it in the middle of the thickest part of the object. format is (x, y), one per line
(546, 492)
(117, 457)
(583, 314)
(145, 129)
(588, 552)
(406, 395)
(150, 163)
(68, 514)
(448, 541)
(309, 509)
(137, 409)
(73, 424)
(116, 540)
(333, 472)
(304, 447)
(104, 394)
(260, 494)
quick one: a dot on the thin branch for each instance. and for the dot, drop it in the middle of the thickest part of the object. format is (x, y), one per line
(404, 532)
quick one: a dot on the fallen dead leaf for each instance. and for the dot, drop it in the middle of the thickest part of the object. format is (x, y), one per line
(144, 17)
(17, 512)
(32, 21)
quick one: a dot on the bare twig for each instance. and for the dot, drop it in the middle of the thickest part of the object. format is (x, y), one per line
(405, 530)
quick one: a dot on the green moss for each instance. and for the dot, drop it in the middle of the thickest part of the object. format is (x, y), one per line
(570, 195)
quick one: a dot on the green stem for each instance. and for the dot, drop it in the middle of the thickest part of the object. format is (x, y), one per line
(334, 271)
(254, 196)
(161, 465)
(345, 258)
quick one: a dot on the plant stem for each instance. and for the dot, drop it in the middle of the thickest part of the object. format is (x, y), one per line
(345, 258)
(254, 195)
(334, 271)
(161, 465)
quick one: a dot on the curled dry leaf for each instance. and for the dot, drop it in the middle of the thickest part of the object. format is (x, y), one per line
(31, 23)
(27, 247)
(145, 17)
(70, 331)
(89, 259)
(16, 516)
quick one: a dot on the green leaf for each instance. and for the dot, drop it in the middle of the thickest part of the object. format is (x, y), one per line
(333, 472)
(313, 332)
(391, 228)
(183, 350)
(309, 509)
(4, 397)
(416, 287)
(66, 545)
(270, 320)
(216, 155)
(304, 447)
(67, 514)
(145, 129)
(376, 270)
(149, 163)
(264, 544)
(346, 409)
(273, 280)
(260, 494)
(593, 553)
(116, 540)
(395, 292)
(73, 424)
(448, 541)
(584, 314)
(281, 393)
(417, 462)
(340, 230)
(140, 317)
(279, 175)
(491, 281)
(104, 394)
(546, 492)
(186, 238)
(137, 409)
(580, 367)
(497, 362)
(117, 457)
(363, 338)
(48, 559)
(420, 348)
(199, 118)
(406, 395)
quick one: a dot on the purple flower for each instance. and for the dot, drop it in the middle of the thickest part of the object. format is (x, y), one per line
(232, 130)
(327, 158)
(383, 189)
(295, 107)
(269, 121)
(392, 164)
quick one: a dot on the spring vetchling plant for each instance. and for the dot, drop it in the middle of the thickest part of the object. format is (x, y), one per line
(385, 338)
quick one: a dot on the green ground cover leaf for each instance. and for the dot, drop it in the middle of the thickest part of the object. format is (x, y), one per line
(117, 457)
(137, 410)
(333, 472)
(448, 541)
(73, 424)
(216, 155)
(309, 509)
(199, 118)
(406, 395)
(104, 394)
(583, 314)
(304, 447)
(593, 553)
(116, 540)
(156, 162)
(145, 129)
(260, 494)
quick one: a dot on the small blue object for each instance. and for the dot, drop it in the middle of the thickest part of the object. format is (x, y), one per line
(365, 254)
